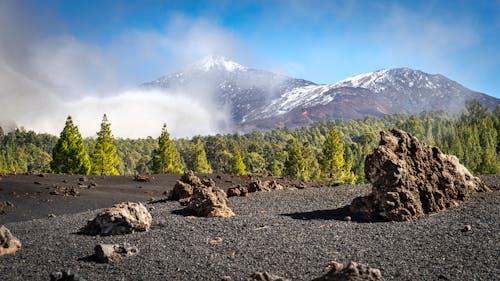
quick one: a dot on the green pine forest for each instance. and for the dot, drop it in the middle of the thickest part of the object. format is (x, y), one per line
(328, 150)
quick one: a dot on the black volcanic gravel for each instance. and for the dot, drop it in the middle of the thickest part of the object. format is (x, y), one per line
(291, 233)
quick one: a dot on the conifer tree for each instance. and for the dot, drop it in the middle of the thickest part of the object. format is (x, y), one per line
(166, 158)
(199, 162)
(104, 158)
(68, 155)
(238, 167)
(333, 166)
(312, 170)
(295, 164)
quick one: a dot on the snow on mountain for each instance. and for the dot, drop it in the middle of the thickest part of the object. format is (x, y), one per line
(219, 63)
(261, 99)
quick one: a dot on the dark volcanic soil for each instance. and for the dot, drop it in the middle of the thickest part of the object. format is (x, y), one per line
(291, 233)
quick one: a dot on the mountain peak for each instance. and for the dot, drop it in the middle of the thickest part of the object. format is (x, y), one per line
(217, 62)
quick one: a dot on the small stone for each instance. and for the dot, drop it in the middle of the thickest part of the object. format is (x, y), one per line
(106, 253)
(216, 240)
(350, 272)
(8, 243)
(264, 276)
(226, 278)
(51, 216)
(65, 275)
(467, 228)
(36, 182)
(347, 218)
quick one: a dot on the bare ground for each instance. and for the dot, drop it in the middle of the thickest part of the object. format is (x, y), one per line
(291, 233)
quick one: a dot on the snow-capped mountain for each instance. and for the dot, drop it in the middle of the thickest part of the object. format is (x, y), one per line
(259, 99)
(230, 84)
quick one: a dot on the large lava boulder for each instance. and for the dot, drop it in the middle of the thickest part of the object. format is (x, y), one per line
(208, 200)
(411, 178)
(9, 244)
(185, 186)
(122, 218)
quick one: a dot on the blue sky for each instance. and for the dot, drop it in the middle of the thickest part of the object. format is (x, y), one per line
(83, 58)
(322, 41)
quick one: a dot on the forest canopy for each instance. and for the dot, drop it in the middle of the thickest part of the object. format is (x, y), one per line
(472, 136)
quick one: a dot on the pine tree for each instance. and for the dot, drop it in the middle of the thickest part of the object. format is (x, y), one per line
(199, 162)
(295, 164)
(312, 171)
(68, 155)
(166, 158)
(238, 167)
(104, 158)
(333, 166)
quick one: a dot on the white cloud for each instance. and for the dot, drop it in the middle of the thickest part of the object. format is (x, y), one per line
(45, 78)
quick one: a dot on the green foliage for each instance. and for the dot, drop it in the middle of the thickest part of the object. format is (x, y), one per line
(69, 155)
(103, 157)
(333, 166)
(199, 162)
(471, 135)
(238, 167)
(295, 164)
(166, 158)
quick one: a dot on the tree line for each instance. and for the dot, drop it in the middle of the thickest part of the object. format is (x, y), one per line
(330, 150)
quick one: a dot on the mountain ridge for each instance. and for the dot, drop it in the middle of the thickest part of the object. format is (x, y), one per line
(260, 100)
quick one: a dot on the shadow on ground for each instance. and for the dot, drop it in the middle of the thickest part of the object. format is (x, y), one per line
(339, 214)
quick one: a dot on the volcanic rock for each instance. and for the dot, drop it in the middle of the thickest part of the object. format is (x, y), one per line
(351, 272)
(237, 190)
(65, 275)
(122, 218)
(264, 276)
(106, 253)
(208, 200)
(142, 178)
(184, 187)
(410, 179)
(8, 243)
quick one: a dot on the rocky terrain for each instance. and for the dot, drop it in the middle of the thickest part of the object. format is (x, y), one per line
(292, 233)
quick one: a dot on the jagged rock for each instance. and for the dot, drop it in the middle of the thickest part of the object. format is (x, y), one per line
(142, 178)
(122, 218)
(65, 191)
(209, 201)
(184, 187)
(8, 243)
(258, 185)
(351, 272)
(106, 253)
(237, 190)
(83, 179)
(411, 178)
(65, 275)
(264, 276)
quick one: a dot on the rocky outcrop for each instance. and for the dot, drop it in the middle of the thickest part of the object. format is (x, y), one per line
(106, 253)
(8, 243)
(351, 272)
(264, 276)
(122, 218)
(185, 186)
(237, 190)
(208, 200)
(410, 179)
(259, 185)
